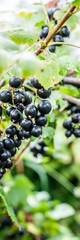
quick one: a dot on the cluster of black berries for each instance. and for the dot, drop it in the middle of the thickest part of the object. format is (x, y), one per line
(28, 118)
(59, 36)
(72, 125)
(39, 149)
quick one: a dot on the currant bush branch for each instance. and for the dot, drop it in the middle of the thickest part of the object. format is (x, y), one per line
(63, 43)
(71, 99)
(72, 81)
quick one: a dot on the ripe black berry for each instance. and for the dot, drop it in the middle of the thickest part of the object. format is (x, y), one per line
(65, 32)
(74, 109)
(68, 133)
(20, 107)
(51, 11)
(58, 38)
(0, 110)
(41, 120)
(15, 115)
(35, 83)
(14, 82)
(17, 142)
(28, 99)
(44, 106)
(8, 143)
(5, 96)
(19, 98)
(11, 130)
(67, 124)
(77, 132)
(1, 146)
(5, 155)
(36, 131)
(13, 152)
(44, 93)
(9, 163)
(26, 134)
(31, 110)
(76, 118)
(1, 164)
(40, 142)
(52, 48)
(9, 109)
(45, 31)
(19, 133)
(26, 124)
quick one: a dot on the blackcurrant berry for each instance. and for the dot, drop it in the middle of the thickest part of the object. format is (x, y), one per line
(33, 148)
(58, 38)
(74, 109)
(19, 133)
(9, 163)
(45, 31)
(52, 48)
(68, 133)
(40, 142)
(15, 115)
(67, 124)
(13, 152)
(36, 83)
(28, 99)
(5, 155)
(31, 111)
(36, 131)
(11, 130)
(41, 120)
(0, 110)
(3, 170)
(44, 93)
(26, 134)
(1, 164)
(20, 107)
(5, 96)
(43, 26)
(19, 98)
(26, 124)
(76, 118)
(17, 142)
(39, 149)
(1, 146)
(9, 109)
(8, 143)
(65, 32)
(77, 132)
(14, 82)
(44, 107)
(51, 11)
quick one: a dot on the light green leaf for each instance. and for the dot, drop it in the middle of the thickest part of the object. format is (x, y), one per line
(61, 211)
(22, 36)
(48, 75)
(8, 207)
(48, 132)
(5, 60)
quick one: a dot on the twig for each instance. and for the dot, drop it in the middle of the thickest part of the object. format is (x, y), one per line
(63, 43)
(71, 99)
(44, 8)
(2, 83)
(17, 158)
(55, 29)
(72, 81)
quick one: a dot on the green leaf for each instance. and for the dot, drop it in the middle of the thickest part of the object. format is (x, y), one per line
(61, 211)
(8, 45)
(10, 211)
(48, 132)
(5, 60)
(76, 3)
(22, 36)
(48, 75)
(29, 64)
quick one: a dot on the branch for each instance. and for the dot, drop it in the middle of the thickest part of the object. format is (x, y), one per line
(63, 43)
(71, 99)
(72, 81)
(17, 158)
(2, 83)
(55, 29)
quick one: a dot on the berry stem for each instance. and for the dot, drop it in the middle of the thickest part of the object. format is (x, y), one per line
(55, 29)
(72, 81)
(44, 9)
(17, 158)
(63, 43)
(71, 99)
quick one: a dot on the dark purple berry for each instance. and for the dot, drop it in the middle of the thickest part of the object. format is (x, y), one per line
(67, 124)
(77, 132)
(65, 32)
(5, 96)
(52, 48)
(9, 109)
(36, 83)
(26, 124)
(44, 93)
(11, 130)
(41, 120)
(8, 143)
(36, 131)
(14, 82)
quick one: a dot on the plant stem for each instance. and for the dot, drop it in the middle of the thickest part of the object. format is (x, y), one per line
(45, 12)
(72, 81)
(63, 43)
(55, 29)
(71, 99)
(17, 158)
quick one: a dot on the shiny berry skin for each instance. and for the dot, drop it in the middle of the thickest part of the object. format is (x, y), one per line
(44, 93)
(36, 131)
(26, 86)
(5, 155)
(45, 31)
(43, 26)
(74, 109)
(14, 82)
(68, 133)
(41, 120)
(39, 149)
(0, 110)
(31, 111)
(77, 132)
(13, 151)
(9, 109)
(41, 143)
(33, 148)
(44, 107)
(65, 32)
(8, 143)
(17, 142)
(36, 83)
(9, 163)
(51, 11)
(1, 146)
(15, 115)
(3, 170)
(67, 124)
(20, 107)
(58, 38)
(26, 124)
(19, 133)
(26, 134)
(1, 164)
(28, 99)
(19, 98)
(5, 96)
(76, 118)
(11, 130)
(52, 48)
